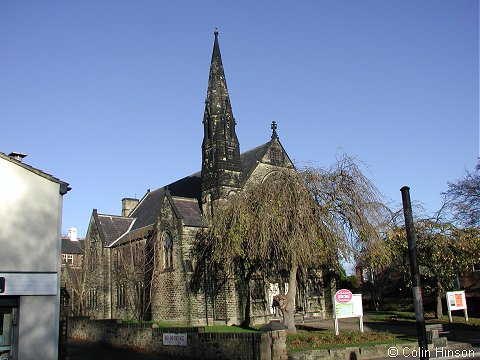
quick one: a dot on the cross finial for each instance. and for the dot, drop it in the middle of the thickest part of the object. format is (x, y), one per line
(274, 129)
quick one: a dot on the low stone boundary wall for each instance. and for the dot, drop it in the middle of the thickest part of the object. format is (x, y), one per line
(200, 345)
(405, 350)
(367, 352)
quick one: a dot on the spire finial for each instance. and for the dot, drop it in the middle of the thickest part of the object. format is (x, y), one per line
(215, 32)
(274, 129)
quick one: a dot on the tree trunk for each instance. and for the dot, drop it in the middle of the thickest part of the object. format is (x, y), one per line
(248, 317)
(439, 310)
(288, 312)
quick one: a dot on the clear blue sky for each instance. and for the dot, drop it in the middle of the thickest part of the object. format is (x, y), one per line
(109, 95)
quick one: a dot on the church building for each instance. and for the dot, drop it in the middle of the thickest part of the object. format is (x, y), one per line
(139, 265)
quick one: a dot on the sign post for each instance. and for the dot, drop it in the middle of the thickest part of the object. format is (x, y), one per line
(456, 301)
(347, 305)
(415, 273)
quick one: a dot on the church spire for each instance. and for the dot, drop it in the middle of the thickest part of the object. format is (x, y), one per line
(221, 166)
(218, 101)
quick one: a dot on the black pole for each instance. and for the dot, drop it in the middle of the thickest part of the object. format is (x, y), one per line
(414, 270)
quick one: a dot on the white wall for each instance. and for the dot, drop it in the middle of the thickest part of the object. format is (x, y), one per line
(30, 213)
(38, 338)
(30, 232)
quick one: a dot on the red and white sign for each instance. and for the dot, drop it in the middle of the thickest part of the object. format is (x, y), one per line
(456, 301)
(343, 296)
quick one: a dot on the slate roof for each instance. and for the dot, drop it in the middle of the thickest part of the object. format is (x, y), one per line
(111, 227)
(185, 194)
(189, 210)
(147, 210)
(251, 157)
(72, 247)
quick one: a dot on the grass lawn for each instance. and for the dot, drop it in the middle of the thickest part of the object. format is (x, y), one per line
(326, 339)
(409, 316)
(229, 329)
(208, 329)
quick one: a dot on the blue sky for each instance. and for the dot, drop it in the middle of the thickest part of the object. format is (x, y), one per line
(109, 95)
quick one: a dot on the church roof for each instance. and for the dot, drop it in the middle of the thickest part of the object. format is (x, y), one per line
(190, 212)
(251, 157)
(190, 189)
(146, 212)
(111, 227)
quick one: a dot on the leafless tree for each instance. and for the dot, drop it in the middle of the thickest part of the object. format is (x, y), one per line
(72, 278)
(463, 198)
(133, 274)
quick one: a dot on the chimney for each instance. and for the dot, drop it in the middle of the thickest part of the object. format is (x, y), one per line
(72, 234)
(17, 155)
(128, 204)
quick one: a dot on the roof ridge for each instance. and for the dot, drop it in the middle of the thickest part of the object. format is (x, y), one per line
(112, 215)
(256, 148)
(125, 233)
(64, 186)
(184, 198)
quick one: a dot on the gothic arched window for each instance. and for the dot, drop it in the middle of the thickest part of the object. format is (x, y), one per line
(167, 251)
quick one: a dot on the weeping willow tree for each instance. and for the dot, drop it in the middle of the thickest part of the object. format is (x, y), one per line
(290, 220)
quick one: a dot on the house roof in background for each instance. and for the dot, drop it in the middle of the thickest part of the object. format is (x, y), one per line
(72, 247)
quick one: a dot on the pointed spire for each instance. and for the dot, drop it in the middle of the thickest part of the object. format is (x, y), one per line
(221, 163)
(218, 101)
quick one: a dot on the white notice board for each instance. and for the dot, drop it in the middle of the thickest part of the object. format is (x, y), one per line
(347, 305)
(456, 301)
(353, 308)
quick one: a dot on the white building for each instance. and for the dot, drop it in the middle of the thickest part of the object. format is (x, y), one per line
(30, 260)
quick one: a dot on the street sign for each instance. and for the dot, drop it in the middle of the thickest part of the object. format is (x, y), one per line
(175, 339)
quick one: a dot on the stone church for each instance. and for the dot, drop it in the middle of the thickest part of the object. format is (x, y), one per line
(138, 265)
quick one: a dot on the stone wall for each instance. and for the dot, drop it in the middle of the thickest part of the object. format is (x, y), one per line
(405, 350)
(200, 345)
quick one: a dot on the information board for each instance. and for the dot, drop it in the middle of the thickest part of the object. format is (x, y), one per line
(456, 301)
(352, 308)
(347, 305)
